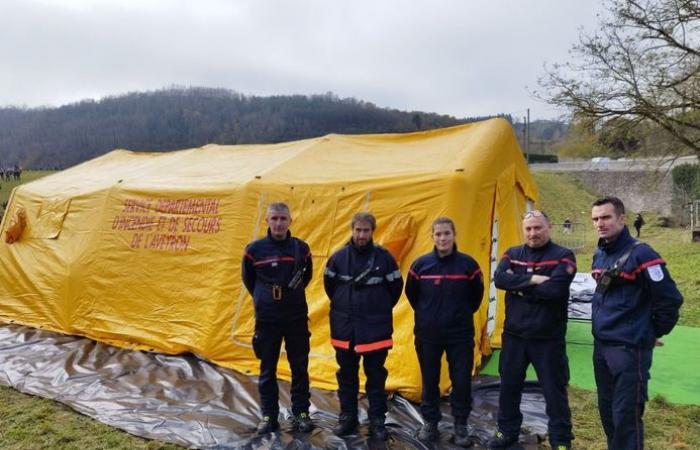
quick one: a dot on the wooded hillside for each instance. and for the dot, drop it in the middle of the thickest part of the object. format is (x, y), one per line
(177, 118)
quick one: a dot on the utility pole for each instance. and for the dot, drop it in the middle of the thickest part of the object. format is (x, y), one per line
(527, 157)
(527, 136)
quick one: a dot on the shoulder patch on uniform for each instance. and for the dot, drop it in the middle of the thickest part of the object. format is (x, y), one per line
(655, 272)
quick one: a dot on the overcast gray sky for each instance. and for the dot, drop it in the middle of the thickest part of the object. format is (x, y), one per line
(458, 57)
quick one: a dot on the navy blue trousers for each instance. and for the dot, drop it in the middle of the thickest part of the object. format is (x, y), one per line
(621, 376)
(460, 359)
(548, 357)
(349, 381)
(267, 343)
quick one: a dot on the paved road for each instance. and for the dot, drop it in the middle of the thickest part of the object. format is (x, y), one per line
(632, 165)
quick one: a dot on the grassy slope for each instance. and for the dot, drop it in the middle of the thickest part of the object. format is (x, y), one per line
(667, 426)
(28, 175)
(561, 197)
(28, 422)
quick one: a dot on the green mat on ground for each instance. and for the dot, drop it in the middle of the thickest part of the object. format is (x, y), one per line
(675, 370)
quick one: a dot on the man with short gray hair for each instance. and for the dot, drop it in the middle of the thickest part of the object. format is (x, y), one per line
(276, 270)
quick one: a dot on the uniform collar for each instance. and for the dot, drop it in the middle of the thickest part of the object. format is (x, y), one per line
(446, 257)
(361, 250)
(621, 241)
(544, 248)
(279, 242)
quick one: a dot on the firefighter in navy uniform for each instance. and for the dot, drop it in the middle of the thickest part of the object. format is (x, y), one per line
(445, 288)
(363, 283)
(635, 303)
(276, 270)
(536, 277)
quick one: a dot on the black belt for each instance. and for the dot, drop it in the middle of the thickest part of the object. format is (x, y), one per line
(276, 289)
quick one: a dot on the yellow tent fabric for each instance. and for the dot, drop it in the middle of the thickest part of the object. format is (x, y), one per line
(143, 250)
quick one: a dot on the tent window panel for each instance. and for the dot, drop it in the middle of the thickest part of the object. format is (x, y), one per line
(49, 219)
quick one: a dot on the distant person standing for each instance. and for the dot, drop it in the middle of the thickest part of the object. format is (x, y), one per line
(276, 270)
(445, 288)
(634, 304)
(638, 222)
(566, 227)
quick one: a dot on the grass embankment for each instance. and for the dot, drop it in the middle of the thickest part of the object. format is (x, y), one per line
(667, 426)
(28, 422)
(562, 197)
(7, 186)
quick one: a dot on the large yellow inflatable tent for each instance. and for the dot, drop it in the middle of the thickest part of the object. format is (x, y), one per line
(143, 250)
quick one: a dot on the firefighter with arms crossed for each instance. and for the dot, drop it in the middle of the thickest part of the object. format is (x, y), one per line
(536, 277)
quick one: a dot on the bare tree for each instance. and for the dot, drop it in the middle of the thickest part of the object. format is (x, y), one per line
(640, 67)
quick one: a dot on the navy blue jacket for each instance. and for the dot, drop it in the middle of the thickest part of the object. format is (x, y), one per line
(643, 301)
(537, 311)
(444, 293)
(361, 310)
(268, 262)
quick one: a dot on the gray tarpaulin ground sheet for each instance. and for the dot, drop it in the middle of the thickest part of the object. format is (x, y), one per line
(196, 404)
(581, 295)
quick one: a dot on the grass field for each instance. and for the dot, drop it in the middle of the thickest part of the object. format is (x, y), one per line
(35, 423)
(28, 422)
(7, 186)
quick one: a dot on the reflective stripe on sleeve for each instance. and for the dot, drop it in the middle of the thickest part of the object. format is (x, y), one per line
(374, 280)
(395, 275)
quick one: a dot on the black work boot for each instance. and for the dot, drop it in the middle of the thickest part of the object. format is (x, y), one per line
(462, 433)
(429, 432)
(267, 425)
(346, 425)
(502, 440)
(377, 430)
(302, 422)
(561, 446)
